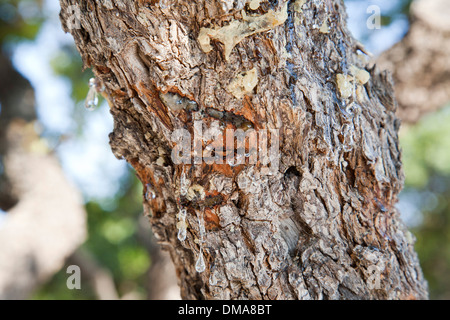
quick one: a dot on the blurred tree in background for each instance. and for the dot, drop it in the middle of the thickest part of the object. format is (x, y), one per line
(113, 222)
(426, 159)
(119, 242)
(20, 20)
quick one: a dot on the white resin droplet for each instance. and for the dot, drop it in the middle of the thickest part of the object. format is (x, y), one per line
(201, 227)
(200, 264)
(181, 225)
(92, 98)
(184, 184)
(182, 234)
(150, 193)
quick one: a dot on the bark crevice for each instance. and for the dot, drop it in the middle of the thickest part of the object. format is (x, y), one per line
(305, 231)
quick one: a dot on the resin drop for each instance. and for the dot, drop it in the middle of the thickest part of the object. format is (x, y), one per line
(201, 226)
(200, 264)
(184, 184)
(91, 101)
(182, 234)
(182, 225)
(150, 193)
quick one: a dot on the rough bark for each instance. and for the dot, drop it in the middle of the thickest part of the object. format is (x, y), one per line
(420, 62)
(319, 226)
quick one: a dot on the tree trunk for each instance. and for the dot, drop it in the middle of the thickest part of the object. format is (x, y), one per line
(319, 224)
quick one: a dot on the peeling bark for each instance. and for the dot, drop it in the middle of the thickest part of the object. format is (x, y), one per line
(323, 225)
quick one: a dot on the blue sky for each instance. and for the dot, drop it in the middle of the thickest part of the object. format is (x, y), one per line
(87, 160)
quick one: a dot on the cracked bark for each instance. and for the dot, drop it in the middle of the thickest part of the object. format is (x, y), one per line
(325, 221)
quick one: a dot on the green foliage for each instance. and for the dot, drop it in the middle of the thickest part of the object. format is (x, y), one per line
(112, 223)
(426, 157)
(67, 63)
(112, 230)
(113, 241)
(20, 20)
(386, 20)
(405, 6)
(133, 262)
(56, 290)
(433, 247)
(426, 149)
